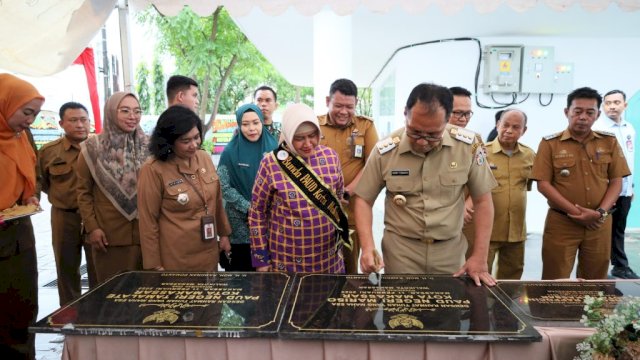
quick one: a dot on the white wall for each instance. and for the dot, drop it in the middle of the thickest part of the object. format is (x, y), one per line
(601, 63)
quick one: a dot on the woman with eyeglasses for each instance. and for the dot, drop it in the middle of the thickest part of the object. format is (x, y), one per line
(179, 198)
(296, 221)
(107, 172)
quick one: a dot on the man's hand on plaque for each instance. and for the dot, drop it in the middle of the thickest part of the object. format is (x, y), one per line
(477, 270)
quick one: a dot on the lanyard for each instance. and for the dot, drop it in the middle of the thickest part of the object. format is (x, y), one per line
(200, 194)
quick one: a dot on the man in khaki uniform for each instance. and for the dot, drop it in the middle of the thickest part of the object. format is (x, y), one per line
(267, 100)
(460, 116)
(424, 167)
(352, 137)
(57, 160)
(511, 163)
(580, 173)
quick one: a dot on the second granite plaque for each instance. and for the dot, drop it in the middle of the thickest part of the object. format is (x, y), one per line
(399, 308)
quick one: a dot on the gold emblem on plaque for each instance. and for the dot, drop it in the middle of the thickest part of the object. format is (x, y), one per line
(406, 321)
(167, 315)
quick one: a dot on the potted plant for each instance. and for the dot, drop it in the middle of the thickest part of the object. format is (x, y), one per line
(617, 330)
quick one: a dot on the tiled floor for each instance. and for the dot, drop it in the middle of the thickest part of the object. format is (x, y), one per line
(47, 350)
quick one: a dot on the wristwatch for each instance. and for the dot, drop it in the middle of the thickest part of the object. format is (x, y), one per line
(603, 213)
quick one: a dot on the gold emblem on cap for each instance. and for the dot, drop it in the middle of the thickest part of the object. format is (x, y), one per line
(399, 200)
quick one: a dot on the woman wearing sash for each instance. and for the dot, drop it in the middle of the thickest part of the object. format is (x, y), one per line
(237, 169)
(295, 218)
(20, 103)
(107, 172)
(179, 198)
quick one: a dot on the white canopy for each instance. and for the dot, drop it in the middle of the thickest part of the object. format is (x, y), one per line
(43, 37)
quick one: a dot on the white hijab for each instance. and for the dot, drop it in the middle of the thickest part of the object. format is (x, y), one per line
(297, 117)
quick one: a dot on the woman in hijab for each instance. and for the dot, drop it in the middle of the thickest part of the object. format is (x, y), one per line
(107, 172)
(237, 169)
(20, 103)
(296, 220)
(179, 198)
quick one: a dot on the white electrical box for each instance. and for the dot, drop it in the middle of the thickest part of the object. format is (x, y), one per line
(502, 68)
(538, 68)
(563, 78)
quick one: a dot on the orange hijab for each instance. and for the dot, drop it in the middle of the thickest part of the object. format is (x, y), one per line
(17, 158)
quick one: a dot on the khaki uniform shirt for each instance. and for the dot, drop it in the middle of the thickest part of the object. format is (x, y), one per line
(353, 143)
(170, 208)
(513, 175)
(98, 212)
(431, 183)
(580, 171)
(58, 160)
(359, 136)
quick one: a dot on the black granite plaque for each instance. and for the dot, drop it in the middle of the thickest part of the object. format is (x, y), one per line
(546, 302)
(400, 308)
(177, 304)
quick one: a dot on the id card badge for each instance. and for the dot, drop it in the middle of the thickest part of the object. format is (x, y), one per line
(208, 228)
(357, 151)
(358, 147)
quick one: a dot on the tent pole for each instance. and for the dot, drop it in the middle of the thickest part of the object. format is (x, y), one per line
(125, 44)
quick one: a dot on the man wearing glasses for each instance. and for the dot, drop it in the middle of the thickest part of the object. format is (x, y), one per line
(580, 173)
(424, 167)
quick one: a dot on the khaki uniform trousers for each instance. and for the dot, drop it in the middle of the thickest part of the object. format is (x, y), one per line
(116, 260)
(68, 242)
(404, 255)
(563, 238)
(510, 263)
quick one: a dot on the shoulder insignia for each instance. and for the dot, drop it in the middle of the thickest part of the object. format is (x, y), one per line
(51, 143)
(362, 117)
(461, 134)
(552, 136)
(604, 132)
(387, 144)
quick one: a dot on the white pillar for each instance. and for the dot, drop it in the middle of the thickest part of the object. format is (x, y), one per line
(125, 41)
(332, 59)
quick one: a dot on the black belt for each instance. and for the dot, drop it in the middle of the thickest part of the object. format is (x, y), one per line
(74, 210)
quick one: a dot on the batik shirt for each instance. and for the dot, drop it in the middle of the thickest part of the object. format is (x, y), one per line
(289, 233)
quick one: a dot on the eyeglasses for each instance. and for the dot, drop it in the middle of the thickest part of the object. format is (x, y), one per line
(127, 112)
(461, 114)
(427, 137)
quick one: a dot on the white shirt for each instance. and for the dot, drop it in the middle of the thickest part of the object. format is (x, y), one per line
(626, 136)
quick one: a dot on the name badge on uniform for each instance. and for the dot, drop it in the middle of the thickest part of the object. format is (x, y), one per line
(403, 172)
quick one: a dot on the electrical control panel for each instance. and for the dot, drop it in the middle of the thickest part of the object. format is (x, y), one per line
(538, 67)
(502, 68)
(563, 78)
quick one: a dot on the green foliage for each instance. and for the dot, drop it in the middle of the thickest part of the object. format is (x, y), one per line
(158, 96)
(617, 330)
(213, 51)
(142, 87)
(364, 102)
